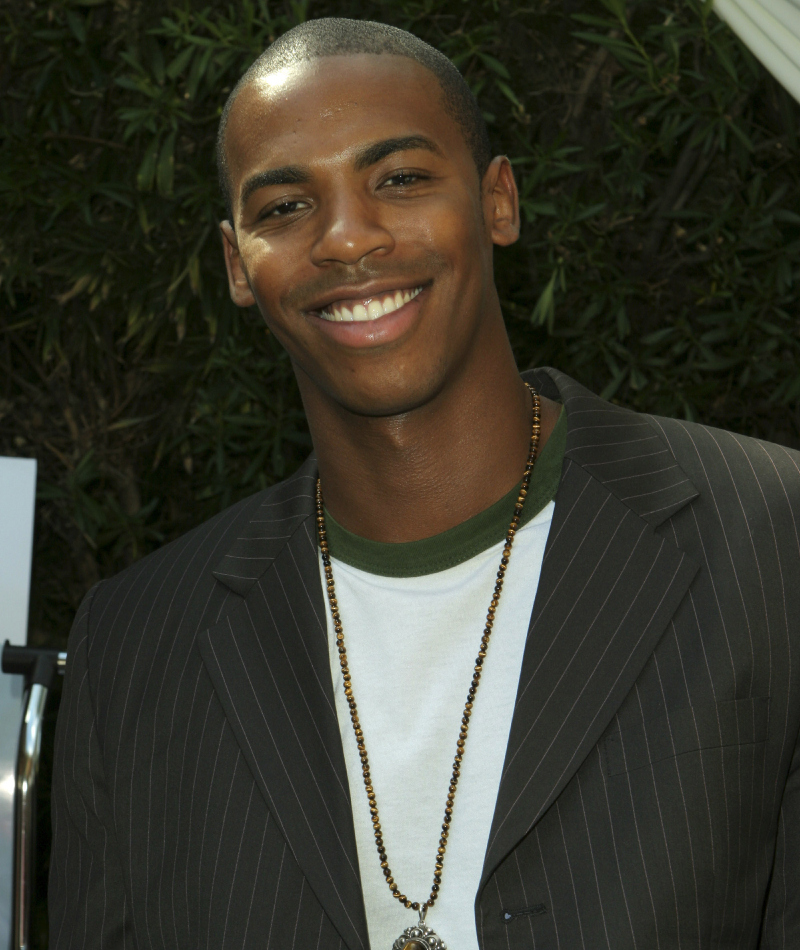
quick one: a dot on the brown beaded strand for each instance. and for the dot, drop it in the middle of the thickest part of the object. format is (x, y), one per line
(473, 689)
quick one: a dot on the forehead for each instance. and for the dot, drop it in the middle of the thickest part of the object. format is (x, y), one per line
(323, 108)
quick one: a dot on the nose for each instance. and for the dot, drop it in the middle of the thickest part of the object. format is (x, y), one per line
(349, 231)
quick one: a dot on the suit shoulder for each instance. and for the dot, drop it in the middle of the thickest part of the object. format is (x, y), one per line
(209, 534)
(169, 586)
(719, 458)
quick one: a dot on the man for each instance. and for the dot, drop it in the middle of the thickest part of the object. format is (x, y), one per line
(418, 695)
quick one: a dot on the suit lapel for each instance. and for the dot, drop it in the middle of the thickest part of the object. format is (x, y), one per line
(268, 660)
(608, 588)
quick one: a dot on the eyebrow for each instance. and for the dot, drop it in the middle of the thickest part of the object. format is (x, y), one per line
(365, 157)
(372, 154)
(286, 175)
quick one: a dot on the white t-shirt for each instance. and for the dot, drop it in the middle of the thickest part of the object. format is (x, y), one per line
(411, 647)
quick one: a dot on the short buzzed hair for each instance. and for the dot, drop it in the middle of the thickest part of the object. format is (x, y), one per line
(335, 36)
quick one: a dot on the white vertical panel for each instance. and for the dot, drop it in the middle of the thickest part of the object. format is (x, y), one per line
(771, 30)
(17, 497)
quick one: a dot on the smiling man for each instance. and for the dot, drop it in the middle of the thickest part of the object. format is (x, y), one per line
(501, 666)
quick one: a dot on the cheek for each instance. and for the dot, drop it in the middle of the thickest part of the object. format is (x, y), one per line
(272, 272)
(459, 226)
(446, 238)
(262, 264)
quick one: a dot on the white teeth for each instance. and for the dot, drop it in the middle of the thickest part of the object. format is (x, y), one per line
(371, 308)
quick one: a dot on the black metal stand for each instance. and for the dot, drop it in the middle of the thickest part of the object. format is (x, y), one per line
(38, 667)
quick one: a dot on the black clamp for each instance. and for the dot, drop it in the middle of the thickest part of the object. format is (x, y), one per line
(36, 664)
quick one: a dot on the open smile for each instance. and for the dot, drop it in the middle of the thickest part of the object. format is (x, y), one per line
(379, 318)
(356, 310)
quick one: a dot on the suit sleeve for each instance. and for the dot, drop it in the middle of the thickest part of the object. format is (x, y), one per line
(781, 927)
(88, 906)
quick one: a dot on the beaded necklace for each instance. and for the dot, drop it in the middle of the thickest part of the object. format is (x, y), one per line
(420, 936)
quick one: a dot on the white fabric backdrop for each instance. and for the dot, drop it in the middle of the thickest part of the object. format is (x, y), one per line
(771, 29)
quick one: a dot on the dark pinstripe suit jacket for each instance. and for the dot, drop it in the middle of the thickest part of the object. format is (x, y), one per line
(651, 790)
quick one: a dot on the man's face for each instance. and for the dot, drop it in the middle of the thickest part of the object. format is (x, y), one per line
(361, 230)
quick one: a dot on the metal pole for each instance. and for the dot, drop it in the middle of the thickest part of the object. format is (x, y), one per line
(38, 666)
(30, 743)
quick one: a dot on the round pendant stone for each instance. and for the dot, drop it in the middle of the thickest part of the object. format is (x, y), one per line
(419, 937)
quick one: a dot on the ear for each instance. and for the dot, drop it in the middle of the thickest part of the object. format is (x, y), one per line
(501, 202)
(238, 284)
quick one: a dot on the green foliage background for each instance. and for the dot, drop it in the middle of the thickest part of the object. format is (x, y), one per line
(659, 261)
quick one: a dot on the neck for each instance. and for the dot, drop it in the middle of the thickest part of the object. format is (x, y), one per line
(409, 476)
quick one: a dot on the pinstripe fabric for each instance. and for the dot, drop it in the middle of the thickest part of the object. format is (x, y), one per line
(164, 834)
(651, 789)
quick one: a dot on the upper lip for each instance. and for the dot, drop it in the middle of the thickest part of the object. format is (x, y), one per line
(360, 292)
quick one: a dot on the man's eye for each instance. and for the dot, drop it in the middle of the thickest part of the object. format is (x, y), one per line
(283, 209)
(404, 178)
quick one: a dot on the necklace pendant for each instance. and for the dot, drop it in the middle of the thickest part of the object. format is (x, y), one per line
(419, 937)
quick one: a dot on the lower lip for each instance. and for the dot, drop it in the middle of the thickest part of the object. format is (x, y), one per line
(382, 330)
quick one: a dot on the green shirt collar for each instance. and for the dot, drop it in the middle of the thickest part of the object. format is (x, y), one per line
(465, 540)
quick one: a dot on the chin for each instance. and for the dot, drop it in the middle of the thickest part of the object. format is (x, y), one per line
(392, 398)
